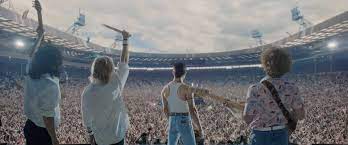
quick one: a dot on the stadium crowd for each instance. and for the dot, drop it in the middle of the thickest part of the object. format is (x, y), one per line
(325, 94)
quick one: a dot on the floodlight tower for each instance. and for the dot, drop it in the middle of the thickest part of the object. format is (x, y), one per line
(118, 36)
(78, 24)
(257, 35)
(299, 18)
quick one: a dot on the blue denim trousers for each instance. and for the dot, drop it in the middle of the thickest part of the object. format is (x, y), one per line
(274, 137)
(181, 127)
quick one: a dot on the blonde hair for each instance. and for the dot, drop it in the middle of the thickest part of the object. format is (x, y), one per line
(102, 69)
(276, 61)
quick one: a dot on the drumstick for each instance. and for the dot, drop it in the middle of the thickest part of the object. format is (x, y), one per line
(114, 29)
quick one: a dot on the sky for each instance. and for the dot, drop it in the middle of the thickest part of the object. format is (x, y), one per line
(184, 26)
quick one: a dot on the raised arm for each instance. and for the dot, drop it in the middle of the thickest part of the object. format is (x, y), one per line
(164, 95)
(198, 91)
(125, 53)
(39, 30)
(206, 94)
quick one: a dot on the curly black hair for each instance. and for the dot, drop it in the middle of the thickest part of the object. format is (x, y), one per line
(179, 69)
(47, 60)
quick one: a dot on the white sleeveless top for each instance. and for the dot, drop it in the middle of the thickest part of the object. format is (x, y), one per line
(176, 105)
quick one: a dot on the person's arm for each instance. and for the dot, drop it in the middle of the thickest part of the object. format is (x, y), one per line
(39, 30)
(125, 52)
(47, 106)
(164, 95)
(49, 123)
(298, 105)
(227, 102)
(197, 91)
(195, 116)
(251, 107)
(86, 118)
(233, 104)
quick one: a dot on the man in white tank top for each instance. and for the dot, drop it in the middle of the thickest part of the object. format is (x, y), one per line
(179, 107)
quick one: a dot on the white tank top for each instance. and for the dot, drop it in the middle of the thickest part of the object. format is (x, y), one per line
(176, 105)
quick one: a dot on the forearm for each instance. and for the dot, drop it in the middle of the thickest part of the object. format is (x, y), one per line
(39, 30)
(49, 123)
(36, 45)
(125, 52)
(166, 112)
(195, 119)
(200, 92)
(232, 104)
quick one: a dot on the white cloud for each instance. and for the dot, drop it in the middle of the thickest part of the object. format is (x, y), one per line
(181, 25)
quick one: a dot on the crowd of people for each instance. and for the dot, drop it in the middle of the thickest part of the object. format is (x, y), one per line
(325, 97)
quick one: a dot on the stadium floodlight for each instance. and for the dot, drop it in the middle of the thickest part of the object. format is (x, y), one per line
(19, 44)
(332, 44)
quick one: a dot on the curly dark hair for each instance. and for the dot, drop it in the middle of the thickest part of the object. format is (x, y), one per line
(47, 60)
(276, 61)
(179, 69)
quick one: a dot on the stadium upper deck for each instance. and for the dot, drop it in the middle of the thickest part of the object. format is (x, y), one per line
(303, 45)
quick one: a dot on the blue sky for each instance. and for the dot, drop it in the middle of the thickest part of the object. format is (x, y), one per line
(178, 26)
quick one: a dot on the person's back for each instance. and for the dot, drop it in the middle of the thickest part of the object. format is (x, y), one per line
(266, 111)
(104, 113)
(263, 111)
(37, 100)
(179, 107)
(175, 103)
(104, 110)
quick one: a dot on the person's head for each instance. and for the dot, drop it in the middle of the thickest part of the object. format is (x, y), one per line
(276, 62)
(47, 60)
(179, 70)
(102, 69)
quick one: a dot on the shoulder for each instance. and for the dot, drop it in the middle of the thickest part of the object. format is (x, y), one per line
(184, 86)
(86, 90)
(255, 87)
(290, 86)
(165, 89)
(256, 90)
(50, 82)
(122, 66)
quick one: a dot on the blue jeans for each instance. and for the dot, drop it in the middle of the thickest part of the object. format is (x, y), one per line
(181, 127)
(274, 137)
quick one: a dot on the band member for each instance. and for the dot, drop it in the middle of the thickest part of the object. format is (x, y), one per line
(179, 107)
(42, 91)
(262, 111)
(103, 110)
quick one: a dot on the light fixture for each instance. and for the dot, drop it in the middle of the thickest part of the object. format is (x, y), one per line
(19, 44)
(332, 44)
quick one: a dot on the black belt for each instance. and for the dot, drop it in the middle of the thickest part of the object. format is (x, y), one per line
(178, 114)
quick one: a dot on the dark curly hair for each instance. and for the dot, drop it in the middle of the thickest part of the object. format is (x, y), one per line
(179, 69)
(276, 61)
(47, 60)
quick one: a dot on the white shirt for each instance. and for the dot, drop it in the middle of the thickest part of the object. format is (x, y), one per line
(103, 109)
(41, 98)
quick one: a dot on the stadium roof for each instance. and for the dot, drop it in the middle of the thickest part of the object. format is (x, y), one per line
(75, 48)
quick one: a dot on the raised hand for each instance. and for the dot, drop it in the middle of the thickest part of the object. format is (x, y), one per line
(125, 35)
(37, 6)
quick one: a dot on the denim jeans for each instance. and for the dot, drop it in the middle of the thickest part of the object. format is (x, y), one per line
(181, 127)
(274, 137)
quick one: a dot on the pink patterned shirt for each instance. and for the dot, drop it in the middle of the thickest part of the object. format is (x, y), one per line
(263, 110)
